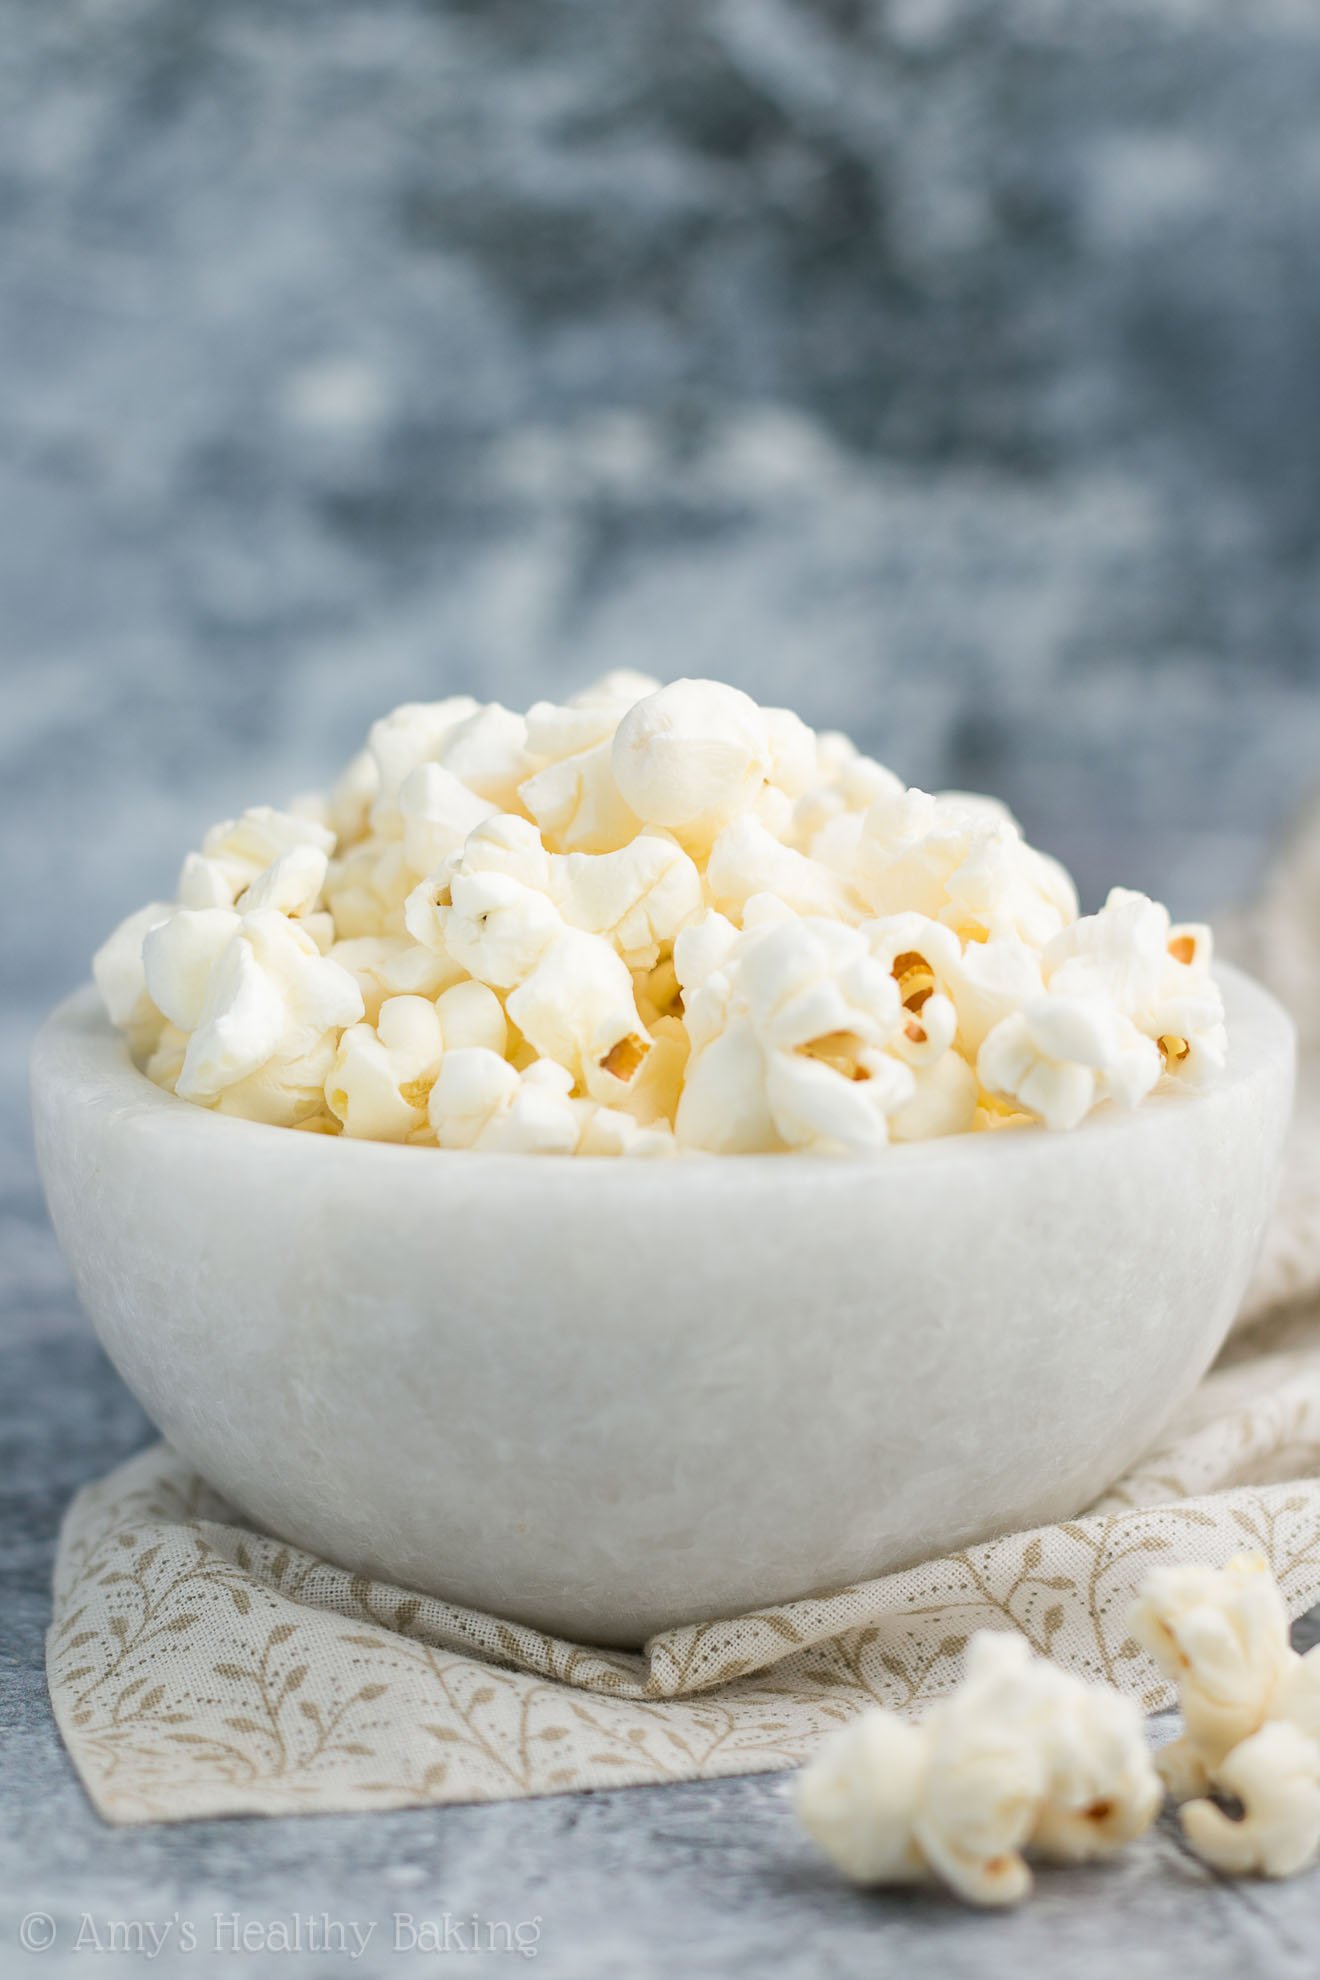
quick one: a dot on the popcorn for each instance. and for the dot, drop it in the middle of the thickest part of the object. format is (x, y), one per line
(269, 995)
(1251, 1714)
(577, 1007)
(947, 858)
(120, 974)
(382, 1075)
(1152, 973)
(1275, 1774)
(480, 1101)
(242, 848)
(789, 1041)
(1222, 1635)
(1021, 1756)
(470, 1014)
(692, 756)
(415, 733)
(437, 812)
(651, 918)
(1061, 1054)
(639, 897)
(746, 860)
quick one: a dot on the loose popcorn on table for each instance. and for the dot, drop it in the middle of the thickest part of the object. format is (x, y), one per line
(1022, 1757)
(1251, 1714)
(652, 920)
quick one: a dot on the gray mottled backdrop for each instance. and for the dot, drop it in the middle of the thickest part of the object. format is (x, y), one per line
(947, 368)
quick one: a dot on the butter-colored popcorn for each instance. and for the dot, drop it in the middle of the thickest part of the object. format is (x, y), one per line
(244, 847)
(1021, 1757)
(577, 1006)
(394, 966)
(1275, 1774)
(366, 891)
(481, 1101)
(572, 795)
(382, 1075)
(1061, 1055)
(1251, 1714)
(950, 858)
(1154, 974)
(269, 995)
(639, 898)
(747, 860)
(487, 752)
(691, 757)
(437, 812)
(121, 977)
(789, 1040)
(1221, 1634)
(409, 735)
(471, 1014)
(705, 920)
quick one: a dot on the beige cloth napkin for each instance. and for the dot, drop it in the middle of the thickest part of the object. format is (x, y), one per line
(199, 1668)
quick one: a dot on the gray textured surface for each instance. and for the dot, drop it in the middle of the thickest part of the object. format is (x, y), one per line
(945, 367)
(641, 1882)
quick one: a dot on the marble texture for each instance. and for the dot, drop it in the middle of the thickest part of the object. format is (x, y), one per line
(608, 1398)
(943, 368)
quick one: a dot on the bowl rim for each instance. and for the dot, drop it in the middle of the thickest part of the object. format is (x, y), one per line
(77, 1041)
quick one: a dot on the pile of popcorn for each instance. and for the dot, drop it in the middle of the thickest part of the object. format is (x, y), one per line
(1025, 1758)
(654, 918)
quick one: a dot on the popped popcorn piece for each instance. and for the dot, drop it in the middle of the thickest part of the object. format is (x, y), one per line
(988, 982)
(1021, 1756)
(577, 1007)
(1221, 1634)
(487, 751)
(1251, 1714)
(607, 1131)
(481, 1101)
(470, 1014)
(242, 848)
(1157, 976)
(291, 885)
(857, 1799)
(746, 860)
(495, 927)
(414, 733)
(950, 860)
(366, 891)
(1061, 1055)
(578, 805)
(382, 1075)
(393, 966)
(121, 977)
(437, 811)
(179, 955)
(639, 897)
(789, 1041)
(573, 796)
(691, 757)
(351, 799)
(206, 883)
(270, 995)
(287, 1091)
(1275, 1774)
(944, 1101)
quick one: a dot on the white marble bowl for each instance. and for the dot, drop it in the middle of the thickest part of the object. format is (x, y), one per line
(604, 1397)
